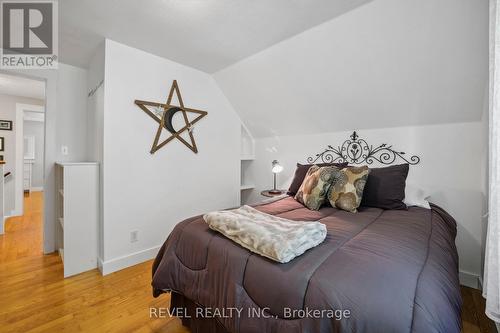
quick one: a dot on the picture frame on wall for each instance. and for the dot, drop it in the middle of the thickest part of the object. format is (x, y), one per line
(2, 143)
(6, 125)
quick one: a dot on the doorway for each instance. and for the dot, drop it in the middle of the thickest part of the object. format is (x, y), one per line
(22, 131)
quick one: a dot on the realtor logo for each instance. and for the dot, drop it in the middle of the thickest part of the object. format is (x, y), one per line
(29, 34)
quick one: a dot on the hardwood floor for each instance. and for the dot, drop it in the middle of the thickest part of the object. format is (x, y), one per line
(34, 297)
(474, 320)
(24, 232)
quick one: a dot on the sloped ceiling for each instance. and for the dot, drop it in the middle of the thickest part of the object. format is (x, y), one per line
(387, 63)
(204, 34)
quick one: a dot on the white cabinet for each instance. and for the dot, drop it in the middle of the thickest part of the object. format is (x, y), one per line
(29, 159)
(77, 214)
(27, 175)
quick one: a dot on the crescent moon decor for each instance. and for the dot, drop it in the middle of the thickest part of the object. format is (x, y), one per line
(163, 115)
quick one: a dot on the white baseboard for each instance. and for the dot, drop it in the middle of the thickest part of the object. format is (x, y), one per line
(99, 265)
(116, 264)
(37, 189)
(469, 279)
(2, 226)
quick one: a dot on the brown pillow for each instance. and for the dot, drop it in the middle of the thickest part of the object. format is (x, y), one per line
(385, 187)
(312, 193)
(300, 174)
(347, 188)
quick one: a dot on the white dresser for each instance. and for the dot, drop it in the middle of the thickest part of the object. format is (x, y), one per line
(77, 214)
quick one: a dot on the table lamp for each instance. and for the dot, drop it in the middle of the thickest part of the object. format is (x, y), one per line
(277, 168)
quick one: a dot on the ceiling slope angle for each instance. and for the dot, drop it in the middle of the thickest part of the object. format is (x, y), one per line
(389, 63)
(205, 34)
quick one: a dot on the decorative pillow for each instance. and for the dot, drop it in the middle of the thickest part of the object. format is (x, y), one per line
(300, 174)
(415, 196)
(312, 192)
(385, 187)
(346, 191)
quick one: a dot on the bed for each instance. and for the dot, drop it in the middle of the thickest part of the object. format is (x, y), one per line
(393, 270)
(378, 270)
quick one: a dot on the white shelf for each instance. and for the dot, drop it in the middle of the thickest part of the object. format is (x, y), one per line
(247, 155)
(77, 213)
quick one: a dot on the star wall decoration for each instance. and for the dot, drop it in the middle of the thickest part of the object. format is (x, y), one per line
(163, 115)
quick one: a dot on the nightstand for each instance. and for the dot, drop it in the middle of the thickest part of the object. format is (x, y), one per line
(270, 194)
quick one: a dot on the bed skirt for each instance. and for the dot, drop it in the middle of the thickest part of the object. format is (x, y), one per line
(196, 325)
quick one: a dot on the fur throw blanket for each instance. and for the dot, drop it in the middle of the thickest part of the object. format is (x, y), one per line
(270, 236)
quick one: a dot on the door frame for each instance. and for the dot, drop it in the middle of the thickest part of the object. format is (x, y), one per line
(19, 171)
(51, 79)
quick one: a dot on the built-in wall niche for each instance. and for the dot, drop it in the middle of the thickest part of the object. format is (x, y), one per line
(247, 144)
(247, 183)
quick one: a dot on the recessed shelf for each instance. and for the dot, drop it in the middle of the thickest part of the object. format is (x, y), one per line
(247, 156)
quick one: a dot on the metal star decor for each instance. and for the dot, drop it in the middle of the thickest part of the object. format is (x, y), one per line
(163, 114)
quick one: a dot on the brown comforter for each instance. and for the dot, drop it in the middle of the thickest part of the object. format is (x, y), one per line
(392, 270)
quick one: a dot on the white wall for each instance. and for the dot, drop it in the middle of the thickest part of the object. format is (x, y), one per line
(450, 170)
(72, 113)
(388, 63)
(95, 128)
(95, 105)
(36, 129)
(392, 69)
(65, 121)
(152, 193)
(8, 112)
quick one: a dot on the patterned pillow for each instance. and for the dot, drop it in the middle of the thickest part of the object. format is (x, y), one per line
(312, 193)
(347, 189)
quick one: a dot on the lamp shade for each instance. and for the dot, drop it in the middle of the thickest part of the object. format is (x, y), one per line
(277, 168)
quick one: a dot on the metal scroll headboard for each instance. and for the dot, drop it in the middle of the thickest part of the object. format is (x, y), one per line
(357, 151)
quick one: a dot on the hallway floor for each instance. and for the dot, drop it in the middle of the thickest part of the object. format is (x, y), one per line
(24, 232)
